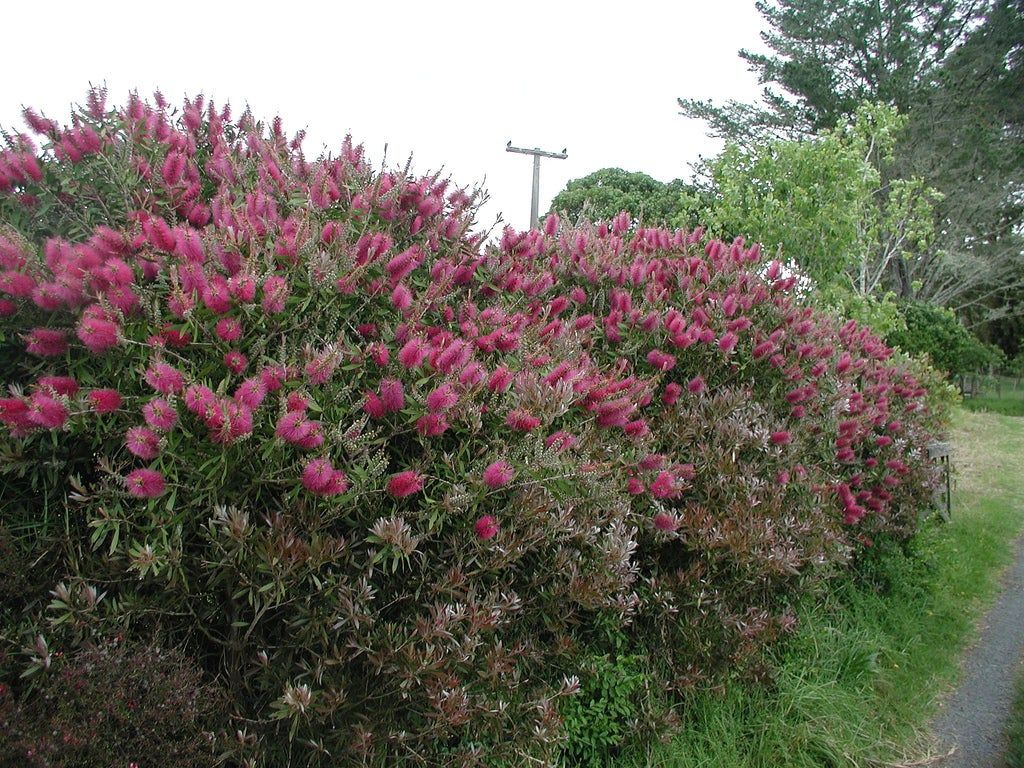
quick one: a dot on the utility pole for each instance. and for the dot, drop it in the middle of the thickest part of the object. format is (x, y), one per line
(537, 155)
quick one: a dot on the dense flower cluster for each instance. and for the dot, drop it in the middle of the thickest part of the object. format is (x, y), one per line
(400, 478)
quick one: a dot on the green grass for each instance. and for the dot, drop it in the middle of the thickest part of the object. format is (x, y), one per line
(998, 394)
(1015, 731)
(860, 679)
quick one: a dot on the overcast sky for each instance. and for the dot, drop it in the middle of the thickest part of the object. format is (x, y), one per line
(450, 82)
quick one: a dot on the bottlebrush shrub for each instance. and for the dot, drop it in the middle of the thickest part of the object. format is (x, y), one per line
(391, 480)
(114, 705)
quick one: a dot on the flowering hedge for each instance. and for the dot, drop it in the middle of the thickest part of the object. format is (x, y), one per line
(398, 487)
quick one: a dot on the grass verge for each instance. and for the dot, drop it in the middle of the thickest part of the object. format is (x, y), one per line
(860, 679)
(1015, 730)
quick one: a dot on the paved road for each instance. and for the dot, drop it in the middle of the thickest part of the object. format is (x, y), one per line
(974, 716)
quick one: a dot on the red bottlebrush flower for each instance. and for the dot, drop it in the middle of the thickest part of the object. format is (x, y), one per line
(7, 308)
(228, 329)
(442, 398)
(105, 400)
(634, 486)
(235, 361)
(498, 474)
(46, 342)
(883, 441)
(486, 527)
(405, 484)
(781, 438)
(275, 294)
(164, 378)
(320, 478)
(143, 442)
(663, 361)
(522, 420)
(412, 354)
(728, 342)
(97, 334)
(145, 484)
(665, 522)
(431, 424)
(45, 410)
(696, 385)
(159, 414)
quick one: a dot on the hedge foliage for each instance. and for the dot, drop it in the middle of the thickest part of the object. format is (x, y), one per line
(404, 495)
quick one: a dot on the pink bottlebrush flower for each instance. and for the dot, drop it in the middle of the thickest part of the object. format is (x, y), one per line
(500, 379)
(431, 424)
(651, 461)
(46, 342)
(296, 429)
(14, 412)
(296, 401)
(486, 527)
(228, 329)
(16, 284)
(401, 297)
(320, 478)
(442, 398)
(145, 484)
(728, 342)
(663, 361)
(97, 334)
(235, 361)
(522, 420)
(379, 353)
(164, 378)
(7, 308)
(199, 399)
(242, 288)
(671, 393)
(392, 394)
(883, 441)
(251, 392)
(498, 474)
(413, 353)
(159, 414)
(321, 368)
(275, 294)
(405, 484)
(105, 400)
(175, 338)
(781, 438)
(696, 385)
(665, 522)
(46, 410)
(374, 406)
(634, 486)
(637, 429)
(216, 296)
(61, 385)
(143, 442)
(665, 486)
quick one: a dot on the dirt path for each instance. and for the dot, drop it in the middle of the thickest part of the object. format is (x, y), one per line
(973, 719)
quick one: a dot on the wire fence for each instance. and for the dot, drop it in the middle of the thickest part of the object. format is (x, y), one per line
(985, 392)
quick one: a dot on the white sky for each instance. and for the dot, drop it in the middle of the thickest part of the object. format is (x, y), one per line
(450, 82)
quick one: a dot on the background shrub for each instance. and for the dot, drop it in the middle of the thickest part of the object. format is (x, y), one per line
(402, 491)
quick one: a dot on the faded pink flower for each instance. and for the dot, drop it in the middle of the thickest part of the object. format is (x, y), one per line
(431, 424)
(392, 395)
(665, 522)
(522, 420)
(275, 294)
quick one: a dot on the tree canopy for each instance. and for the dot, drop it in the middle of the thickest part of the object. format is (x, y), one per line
(604, 193)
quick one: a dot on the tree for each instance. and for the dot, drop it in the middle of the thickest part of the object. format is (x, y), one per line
(822, 204)
(831, 56)
(604, 193)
